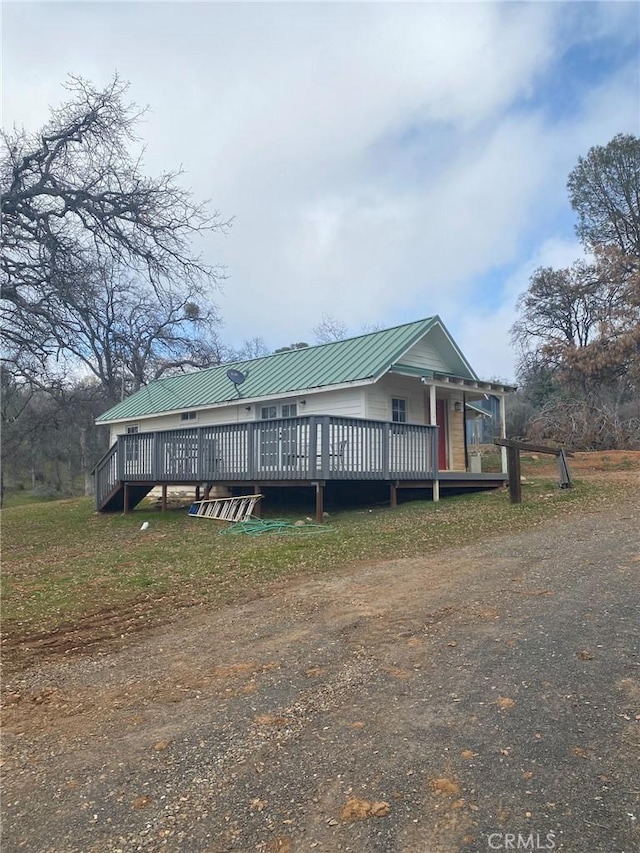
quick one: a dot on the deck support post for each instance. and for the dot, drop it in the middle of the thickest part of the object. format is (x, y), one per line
(436, 490)
(503, 432)
(319, 503)
(257, 508)
(163, 505)
(207, 491)
(125, 499)
(515, 483)
(393, 495)
(197, 493)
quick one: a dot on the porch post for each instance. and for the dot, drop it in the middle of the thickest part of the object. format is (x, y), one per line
(503, 432)
(432, 405)
(125, 499)
(164, 497)
(433, 417)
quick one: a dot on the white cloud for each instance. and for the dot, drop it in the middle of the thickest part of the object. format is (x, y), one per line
(379, 159)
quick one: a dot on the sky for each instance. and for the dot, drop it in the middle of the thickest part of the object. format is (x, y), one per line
(382, 162)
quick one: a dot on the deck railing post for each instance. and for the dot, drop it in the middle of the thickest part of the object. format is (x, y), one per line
(312, 453)
(200, 454)
(324, 447)
(154, 457)
(120, 457)
(386, 447)
(251, 450)
(435, 444)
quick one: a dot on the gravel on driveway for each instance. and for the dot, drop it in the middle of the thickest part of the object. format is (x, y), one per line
(485, 698)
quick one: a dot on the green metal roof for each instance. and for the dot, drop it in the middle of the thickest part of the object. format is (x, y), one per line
(366, 357)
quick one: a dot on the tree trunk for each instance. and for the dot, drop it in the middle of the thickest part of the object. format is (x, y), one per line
(84, 462)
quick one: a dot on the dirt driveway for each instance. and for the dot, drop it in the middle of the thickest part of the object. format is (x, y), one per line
(448, 703)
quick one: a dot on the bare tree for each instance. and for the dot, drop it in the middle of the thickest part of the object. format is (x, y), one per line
(251, 348)
(330, 329)
(97, 272)
(73, 194)
(564, 309)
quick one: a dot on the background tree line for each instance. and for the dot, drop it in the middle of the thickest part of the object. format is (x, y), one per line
(578, 333)
(102, 291)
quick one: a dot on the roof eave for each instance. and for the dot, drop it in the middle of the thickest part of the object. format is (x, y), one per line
(301, 392)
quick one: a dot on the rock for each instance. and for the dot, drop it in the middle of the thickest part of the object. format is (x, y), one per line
(299, 523)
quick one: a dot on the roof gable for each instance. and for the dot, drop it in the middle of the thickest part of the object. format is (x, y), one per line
(436, 352)
(361, 359)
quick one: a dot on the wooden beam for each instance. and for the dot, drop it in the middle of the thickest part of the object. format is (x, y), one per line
(125, 499)
(527, 447)
(565, 474)
(393, 495)
(164, 498)
(515, 482)
(197, 493)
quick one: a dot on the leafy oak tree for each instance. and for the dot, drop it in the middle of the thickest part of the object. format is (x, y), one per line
(604, 190)
(580, 327)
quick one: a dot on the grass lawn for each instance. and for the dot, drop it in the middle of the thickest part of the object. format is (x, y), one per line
(61, 561)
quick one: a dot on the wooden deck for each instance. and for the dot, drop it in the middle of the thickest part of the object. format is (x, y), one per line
(309, 450)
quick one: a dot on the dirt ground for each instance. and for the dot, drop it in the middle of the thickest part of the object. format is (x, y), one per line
(448, 703)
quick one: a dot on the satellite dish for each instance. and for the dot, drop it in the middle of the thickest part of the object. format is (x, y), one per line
(237, 377)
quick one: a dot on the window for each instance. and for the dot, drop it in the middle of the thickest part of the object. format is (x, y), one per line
(398, 410)
(131, 446)
(187, 416)
(286, 410)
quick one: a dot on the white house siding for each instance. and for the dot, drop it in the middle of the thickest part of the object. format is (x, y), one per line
(425, 356)
(345, 403)
(206, 417)
(348, 445)
(379, 397)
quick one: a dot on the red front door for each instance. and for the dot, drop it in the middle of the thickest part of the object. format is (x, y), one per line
(441, 421)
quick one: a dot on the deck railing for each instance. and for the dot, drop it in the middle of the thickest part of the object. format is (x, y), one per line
(106, 474)
(314, 447)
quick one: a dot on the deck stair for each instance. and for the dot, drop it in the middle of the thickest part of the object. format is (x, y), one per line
(226, 509)
(114, 501)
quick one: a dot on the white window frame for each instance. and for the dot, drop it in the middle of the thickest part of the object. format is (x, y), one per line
(278, 411)
(405, 410)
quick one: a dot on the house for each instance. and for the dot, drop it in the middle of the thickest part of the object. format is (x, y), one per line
(387, 407)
